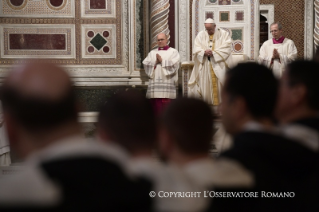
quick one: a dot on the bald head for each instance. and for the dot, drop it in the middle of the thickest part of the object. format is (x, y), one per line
(161, 40)
(39, 96)
(40, 80)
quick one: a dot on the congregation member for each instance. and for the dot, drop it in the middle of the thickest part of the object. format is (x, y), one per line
(132, 111)
(212, 58)
(298, 113)
(62, 171)
(277, 166)
(277, 52)
(185, 141)
(161, 66)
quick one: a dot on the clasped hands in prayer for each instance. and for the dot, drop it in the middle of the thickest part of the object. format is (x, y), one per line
(208, 53)
(158, 59)
(275, 54)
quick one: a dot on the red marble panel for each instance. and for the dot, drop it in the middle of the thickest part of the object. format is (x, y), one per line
(171, 23)
(56, 3)
(37, 41)
(91, 34)
(106, 34)
(17, 2)
(106, 49)
(209, 15)
(239, 16)
(97, 4)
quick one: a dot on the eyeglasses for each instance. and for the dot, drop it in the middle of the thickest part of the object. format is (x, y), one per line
(274, 31)
(160, 39)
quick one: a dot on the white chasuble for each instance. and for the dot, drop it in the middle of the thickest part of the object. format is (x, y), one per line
(164, 76)
(287, 53)
(200, 84)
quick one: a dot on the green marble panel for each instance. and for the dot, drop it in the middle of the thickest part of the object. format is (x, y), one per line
(139, 30)
(224, 16)
(237, 34)
(91, 99)
(98, 41)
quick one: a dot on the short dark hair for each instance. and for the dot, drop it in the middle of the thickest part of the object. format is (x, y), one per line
(278, 24)
(36, 113)
(129, 120)
(305, 72)
(190, 123)
(256, 84)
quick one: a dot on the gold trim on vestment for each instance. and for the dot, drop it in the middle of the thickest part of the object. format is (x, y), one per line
(214, 85)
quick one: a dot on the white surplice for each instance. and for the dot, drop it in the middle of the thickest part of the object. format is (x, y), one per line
(200, 82)
(164, 76)
(287, 53)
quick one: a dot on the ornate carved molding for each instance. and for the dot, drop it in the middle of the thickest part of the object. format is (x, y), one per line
(159, 20)
(309, 27)
(184, 40)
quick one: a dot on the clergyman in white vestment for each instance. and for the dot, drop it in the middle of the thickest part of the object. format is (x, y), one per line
(161, 65)
(212, 58)
(278, 51)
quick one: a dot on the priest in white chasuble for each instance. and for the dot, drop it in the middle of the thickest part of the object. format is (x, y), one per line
(212, 58)
(278, 51)
(161, 65)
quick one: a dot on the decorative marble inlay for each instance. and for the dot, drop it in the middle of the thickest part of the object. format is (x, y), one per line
(31, 8)
(237, 34)
(224, 16)
(239, 15)
(224, 2)
(237, 46)
(212, 1)
(98, 41)
(209, 15)
(56, 4)
(97, 4)
(98, 8)
(37, 41)
(103, 41)
(236, 1)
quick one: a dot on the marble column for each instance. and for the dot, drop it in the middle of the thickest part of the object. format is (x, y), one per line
(159, 20)
(316, 30)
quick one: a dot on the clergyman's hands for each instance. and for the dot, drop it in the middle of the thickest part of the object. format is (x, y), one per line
(158, 59)
(275, 54)
(208, 53)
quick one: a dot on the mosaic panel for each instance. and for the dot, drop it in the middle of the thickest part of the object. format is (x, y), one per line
(237, 46)
(291, 13)
(196, 26)
(98, 41)
(76, 51)
(224, 2)
(209, 15)
(212, 1)
(224, 16)
(38, 41)
(237, 34)
(98, 8)
(44, 8)
(239, 15)
(237, 2)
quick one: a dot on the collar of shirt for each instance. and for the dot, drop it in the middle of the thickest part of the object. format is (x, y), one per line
(163, 48)
(278, 41)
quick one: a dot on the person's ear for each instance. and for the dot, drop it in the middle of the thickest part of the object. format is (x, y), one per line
(299, 93)
(240, 107)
